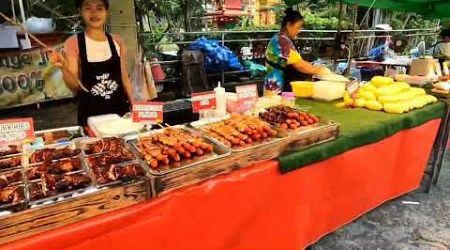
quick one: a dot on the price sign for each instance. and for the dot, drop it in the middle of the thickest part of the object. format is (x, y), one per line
(148, 112)
(247, 96)
(16, 130)
(352, 87)
(203, 101)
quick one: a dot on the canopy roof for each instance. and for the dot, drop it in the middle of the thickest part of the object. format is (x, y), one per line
(429, 8)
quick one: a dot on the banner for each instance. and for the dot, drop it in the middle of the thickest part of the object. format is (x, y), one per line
(27, 77)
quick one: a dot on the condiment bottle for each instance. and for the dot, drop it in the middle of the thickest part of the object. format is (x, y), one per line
(221, 100)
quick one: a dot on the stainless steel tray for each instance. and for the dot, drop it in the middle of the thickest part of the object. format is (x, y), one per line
(70, 145)
(58, 197)
(12, 155)
(321, 125)
(72, 133)
(6, 158)
(219, 152)
(19, 205)
(82, 145)
(200, 124)
(21, 185)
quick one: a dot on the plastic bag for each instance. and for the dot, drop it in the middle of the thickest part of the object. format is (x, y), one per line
(217, 57)
(255, 69)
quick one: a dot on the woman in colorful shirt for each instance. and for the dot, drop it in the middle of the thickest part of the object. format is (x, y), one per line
(284, 63)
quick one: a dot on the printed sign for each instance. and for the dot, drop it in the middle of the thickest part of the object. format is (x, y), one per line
(203, 101)
(27, 77)
(16, 130)
(148, 112)
(247, 96)
(352, 87)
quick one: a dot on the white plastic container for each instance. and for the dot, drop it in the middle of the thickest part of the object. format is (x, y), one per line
(221, 101)
(328, 91)
(113, 125)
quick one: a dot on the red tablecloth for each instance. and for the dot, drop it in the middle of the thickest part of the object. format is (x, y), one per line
(257, 208)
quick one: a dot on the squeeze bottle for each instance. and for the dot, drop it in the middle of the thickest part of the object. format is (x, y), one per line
(221, 101)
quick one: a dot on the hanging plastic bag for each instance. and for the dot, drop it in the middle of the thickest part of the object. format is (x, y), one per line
(217, 57)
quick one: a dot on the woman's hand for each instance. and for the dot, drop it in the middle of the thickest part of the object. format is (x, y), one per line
(56, 58)
(322, 71)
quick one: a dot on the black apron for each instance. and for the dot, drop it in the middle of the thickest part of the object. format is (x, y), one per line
(104, 81)
(290, 74)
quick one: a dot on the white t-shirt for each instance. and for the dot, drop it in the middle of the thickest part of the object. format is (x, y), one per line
(99, 51)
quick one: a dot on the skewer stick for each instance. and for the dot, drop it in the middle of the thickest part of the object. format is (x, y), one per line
(161, 126)
(42, 44)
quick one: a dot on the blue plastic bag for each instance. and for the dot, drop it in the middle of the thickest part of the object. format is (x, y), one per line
(217, 57)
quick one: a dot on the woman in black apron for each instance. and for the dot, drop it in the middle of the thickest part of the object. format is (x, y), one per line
(98, 59)
(283, 61)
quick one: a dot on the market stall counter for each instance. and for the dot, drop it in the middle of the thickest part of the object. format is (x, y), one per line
(378, 157)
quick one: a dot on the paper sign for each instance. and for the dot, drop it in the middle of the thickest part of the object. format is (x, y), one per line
(203, 101)
(148, 112)
(352, 87)
(445, 68)
(16, 130)
(247, 96)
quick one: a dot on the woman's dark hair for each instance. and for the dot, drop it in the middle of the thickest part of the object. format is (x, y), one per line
(291, 16)
(79, 3)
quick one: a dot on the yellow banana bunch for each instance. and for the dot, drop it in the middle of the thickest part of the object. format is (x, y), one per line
(403, 96)
(374, 105)
(367, 95)
(392, 89)
(379, 81)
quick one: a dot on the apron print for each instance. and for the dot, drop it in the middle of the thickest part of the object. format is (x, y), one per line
(105, 87)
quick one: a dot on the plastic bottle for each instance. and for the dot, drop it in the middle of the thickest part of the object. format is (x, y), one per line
(221, 100)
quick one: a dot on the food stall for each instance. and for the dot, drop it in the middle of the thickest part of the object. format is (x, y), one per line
(282, 178)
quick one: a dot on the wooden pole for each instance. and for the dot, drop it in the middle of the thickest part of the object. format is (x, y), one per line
(337, 44)
(352, 42)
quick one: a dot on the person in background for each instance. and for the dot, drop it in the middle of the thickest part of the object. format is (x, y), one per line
(97, 60)
(284, 62)
(442, 48)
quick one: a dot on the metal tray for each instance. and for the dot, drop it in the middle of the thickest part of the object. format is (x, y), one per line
(200, 124)
(83, 143)
(19, 205)
(71, 145)
(5, 169)
(80, 170)
(72, 132)
(94, 177)
(56, 196)
(219, 152)
(21, 184)
(322, 124)
(12, 155)
(21, 181)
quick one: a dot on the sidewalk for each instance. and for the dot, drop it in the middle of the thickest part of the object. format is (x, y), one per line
(399, 226)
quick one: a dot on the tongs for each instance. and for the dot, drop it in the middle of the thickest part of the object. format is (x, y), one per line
(38, 41)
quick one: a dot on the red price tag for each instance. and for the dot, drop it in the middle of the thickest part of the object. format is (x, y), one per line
(16, 130)
(203, 101)
(247, 96)
(148, 112)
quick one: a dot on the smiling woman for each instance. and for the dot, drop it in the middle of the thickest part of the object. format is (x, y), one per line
(99, 59)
